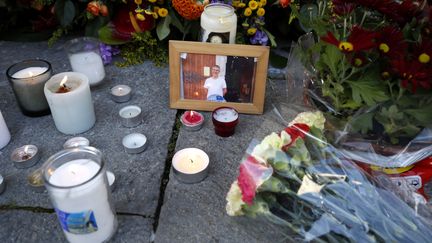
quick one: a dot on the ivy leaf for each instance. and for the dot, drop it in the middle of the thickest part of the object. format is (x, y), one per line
(368, 91)
(65, 11)
(163, 29)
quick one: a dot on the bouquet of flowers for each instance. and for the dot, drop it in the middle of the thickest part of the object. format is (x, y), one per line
(295, 178)
(370, 64)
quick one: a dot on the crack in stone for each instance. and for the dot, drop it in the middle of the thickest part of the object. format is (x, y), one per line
(165, 176)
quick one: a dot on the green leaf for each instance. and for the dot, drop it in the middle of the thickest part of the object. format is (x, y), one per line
(423, 115)
(368, 91)
(163, 29)
(106, 36)
(92, 27)
(65, 11)
(332, 57)
(271, 38)
(363, 122)
(176, 21)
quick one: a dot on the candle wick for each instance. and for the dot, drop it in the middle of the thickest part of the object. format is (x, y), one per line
(191, 161)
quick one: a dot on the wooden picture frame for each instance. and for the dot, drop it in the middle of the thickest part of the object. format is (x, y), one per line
(244, 67)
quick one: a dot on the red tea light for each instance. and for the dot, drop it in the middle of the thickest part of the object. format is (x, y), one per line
(192, 120)
(225, 119)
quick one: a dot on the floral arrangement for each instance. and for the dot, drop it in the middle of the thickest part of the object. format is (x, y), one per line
(372, 63)
(296, 179)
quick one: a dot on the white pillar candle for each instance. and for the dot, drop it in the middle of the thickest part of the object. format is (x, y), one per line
(90, 64)
(4, 132)
(72, 111)
(81, 201)
(218, 23)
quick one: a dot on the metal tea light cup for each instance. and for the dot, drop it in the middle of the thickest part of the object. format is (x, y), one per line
(25, 156)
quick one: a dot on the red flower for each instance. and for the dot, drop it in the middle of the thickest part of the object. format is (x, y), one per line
(284, 3)
(252, 175)
(343, 7)
(412, 74)
(359, 59)
(297, 130)
(93, 8)
(390, 42)
(359, 39)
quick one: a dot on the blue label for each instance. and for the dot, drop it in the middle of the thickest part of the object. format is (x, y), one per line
(77, 223)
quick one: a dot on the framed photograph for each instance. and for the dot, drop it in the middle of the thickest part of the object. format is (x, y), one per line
(204, 76)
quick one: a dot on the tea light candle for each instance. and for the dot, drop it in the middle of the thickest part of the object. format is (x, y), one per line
(70, 101)
(2, 184)
(76, 142)
(80, 194)
(4, 132)
(84, 57)
(25, 156)
(121, 93)
(135, 143)
(130, 116)
(190, 165)
(225, 119)
(218, 23)
(27, 79)
(192, 120)
(35, 180)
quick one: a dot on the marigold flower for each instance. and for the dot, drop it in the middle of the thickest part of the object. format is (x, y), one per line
(359, 39)
(253, 4)
(284, 3)
(188, 9)
(93, 7)
(163, 12)
(104, 10)
(139, 10)
(155, 15)
(140, 16)
(260, 12)
(247, 12)
(152, 1)
(138, 1)
(241, 5)
(148, 11)
(263, 2)
(251, 31)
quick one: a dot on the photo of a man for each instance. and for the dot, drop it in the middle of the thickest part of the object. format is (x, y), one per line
(215, 85)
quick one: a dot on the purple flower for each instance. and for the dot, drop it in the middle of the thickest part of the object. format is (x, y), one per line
(107, 52)
(260, 37)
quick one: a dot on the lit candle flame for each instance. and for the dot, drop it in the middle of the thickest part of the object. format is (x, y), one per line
(30, 74)
(26, 150)
(191, 114)
(62, 83)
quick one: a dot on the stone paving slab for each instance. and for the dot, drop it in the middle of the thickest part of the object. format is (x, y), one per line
(138, 176)
(25, 226)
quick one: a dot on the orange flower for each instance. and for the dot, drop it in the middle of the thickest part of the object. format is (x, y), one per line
(285, 3)
(93, 8)
(104, 10)
(188, 9)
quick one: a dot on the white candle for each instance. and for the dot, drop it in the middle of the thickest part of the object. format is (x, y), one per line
(135, 143)
(72, 111)
(121, 93)
(29, 72)
(219, 23)
(225, 115)
(4, 132)
(80, 198)
(90, 64)
(190, 161)
(131, 115)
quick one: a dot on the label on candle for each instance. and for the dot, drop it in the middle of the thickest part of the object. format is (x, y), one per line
(77, 223)
(225, 115)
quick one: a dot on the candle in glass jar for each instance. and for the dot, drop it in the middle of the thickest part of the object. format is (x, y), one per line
(218, 23)
(4, 132)
(27, 79)
(225, 119)
(190, 165)
(70, 102)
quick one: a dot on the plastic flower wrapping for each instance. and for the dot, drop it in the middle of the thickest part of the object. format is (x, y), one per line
(297, 179)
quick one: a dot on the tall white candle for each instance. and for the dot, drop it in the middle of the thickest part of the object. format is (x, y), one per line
(73, 111)
(4, 132)
(90, 64)
(218, 23)
(81, 201)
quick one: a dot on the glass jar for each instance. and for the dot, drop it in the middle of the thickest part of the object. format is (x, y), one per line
(27, 79)
(84, 56)
(218, 23)
(78, 187)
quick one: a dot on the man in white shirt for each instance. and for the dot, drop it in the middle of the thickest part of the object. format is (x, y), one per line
(215, 85)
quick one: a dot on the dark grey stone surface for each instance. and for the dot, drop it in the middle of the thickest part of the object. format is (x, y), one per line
(190, 213)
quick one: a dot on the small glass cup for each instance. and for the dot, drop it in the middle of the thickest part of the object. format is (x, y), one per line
(77, 183)
(27, 79)
(84, 56)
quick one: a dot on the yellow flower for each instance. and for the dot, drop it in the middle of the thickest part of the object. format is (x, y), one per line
(148, 11)
(424, 58)
(139, 10)
(247, 12)
(163, 12)
(140, 16)
(234, 200)
(155, 15)
(251, 31)
(156, 9)
(260, 12)
(241, 5)
(235, 3)
(253, 4)
(138, 2)
(152, 1)
(312, 119)
(263, 2)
